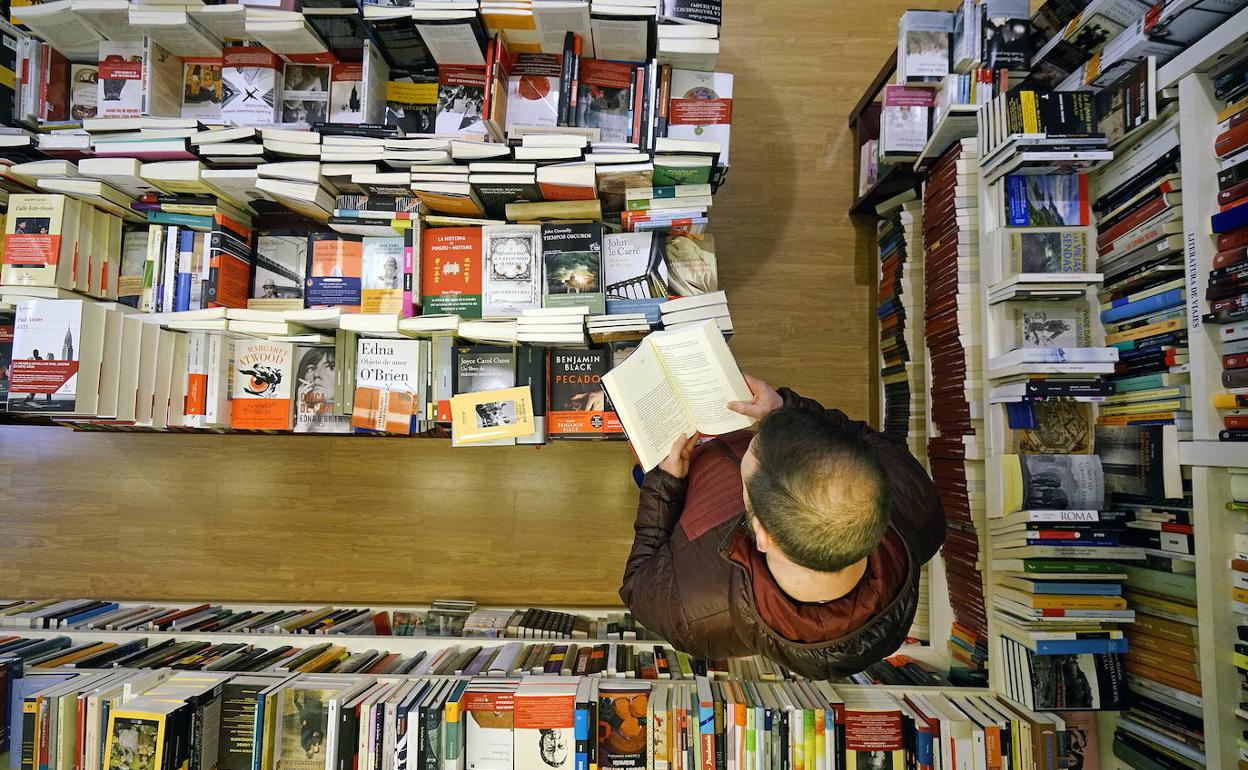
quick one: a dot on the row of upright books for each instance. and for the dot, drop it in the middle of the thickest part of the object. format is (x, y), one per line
(289, 720)
(900, 300)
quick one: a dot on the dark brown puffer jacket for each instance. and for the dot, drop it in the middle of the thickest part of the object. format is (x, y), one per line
(682, 582)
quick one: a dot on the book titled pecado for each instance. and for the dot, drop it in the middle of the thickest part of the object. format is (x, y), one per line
(492, 414)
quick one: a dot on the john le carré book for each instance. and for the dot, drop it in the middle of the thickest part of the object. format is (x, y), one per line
(635, 271)
(677, 382)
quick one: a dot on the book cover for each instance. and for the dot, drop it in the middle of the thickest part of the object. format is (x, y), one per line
(412, 104)
(346, 93)
(40, 241)
(1007, 35)
(924, 43)
(544, 726)
(1126, 104)
(1044, 200)
(382, 275)
(119, 80)
(533, 91)
(605, 99)
(572, 266)
(334, 272)
(461, 92)
(387, 383)
(1047, 251)
(278, 278)
(491, 416)
(577, 403)
(691, 264)
(251, 85)
(489, 722)
(874, 738)
(635, 271)
(302, 723)
(305, 94)
(1133, 459)
(46, 355)
(481, 368)
(316, 397)
(6, 357)
(1061, 482)
(701, 108)
(83, 91)
(1050, 325)
(203, 89)
(511, 270)
(623, 727)
(135, 742)
(904, 120)
(451, 267)
(262, 376)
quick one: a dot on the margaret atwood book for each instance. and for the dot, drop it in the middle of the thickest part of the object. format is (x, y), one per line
(677, 382)
(262, 385)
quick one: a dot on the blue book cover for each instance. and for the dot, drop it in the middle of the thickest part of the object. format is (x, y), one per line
(580, 734)
(182, 286)
(1153, 304)
(1078, 587)
(1047, 200)
(1230, 219)
(1079, 646)
(181, 220)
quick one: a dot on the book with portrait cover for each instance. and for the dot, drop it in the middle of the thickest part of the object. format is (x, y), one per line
(544, 723)
(412, 103)
(1048, 200)
(40, 241)
(316, 395)
(388, 381)
(451, 266)
(263, 372)
(301, 725)
(577, 406)
(512, 270)
(385, 273)
(58, 346)
(572, 266)
(305, 94)
(479, 368)
(279, 265)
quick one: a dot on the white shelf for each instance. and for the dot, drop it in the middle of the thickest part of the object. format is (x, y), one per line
(960, 121)
(1231, 37)
(1214, 454)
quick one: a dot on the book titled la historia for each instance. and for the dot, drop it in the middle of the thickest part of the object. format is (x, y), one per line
(677, 383)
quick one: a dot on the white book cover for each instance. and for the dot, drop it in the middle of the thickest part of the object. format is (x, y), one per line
(701, 108)
(252, 86)
(120, 80)
(925, 39)
(488, 718)
(84, 91)
(512, 262)
(1050, 325)
(387, 384)
(305, 94)
(54, 369)
(381, 279)
(544, 734)
(346, 93)
(316, 392)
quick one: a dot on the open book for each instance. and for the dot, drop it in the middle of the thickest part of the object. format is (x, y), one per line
(677, 382)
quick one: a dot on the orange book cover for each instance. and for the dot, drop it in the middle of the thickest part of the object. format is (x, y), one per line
(262, 376)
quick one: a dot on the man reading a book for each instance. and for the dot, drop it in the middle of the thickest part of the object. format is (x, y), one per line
(800, 541)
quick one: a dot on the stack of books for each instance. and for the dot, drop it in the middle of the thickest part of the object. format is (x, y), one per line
(552, 326)
(623, 327)
(899, 299)
(692, 311)
(955, 448)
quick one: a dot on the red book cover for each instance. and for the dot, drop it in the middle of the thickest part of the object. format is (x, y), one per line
(381, 623)
(1235, 361)
(1236, 423)
(1234, 239)
(1228, 257)
(1233, 193)
(1229, 142)
(1139, 216)
(451, 268)
(54, 84)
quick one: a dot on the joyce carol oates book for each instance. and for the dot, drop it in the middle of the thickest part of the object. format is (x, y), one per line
(635, 270)
(263, 373)
(316, 394)
(451, 267)
(57, 350)
(387, 382)
(572, 266)
(1060, 482)
(480, 368)
(577, 405)
(676, 382)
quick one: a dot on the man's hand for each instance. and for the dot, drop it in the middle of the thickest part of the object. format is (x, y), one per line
(766, 400)
(677, 461)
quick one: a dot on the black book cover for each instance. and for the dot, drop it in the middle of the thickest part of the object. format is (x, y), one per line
(1007, 35)
(1228, 178)
(1164, 165)
(496, 195)
(701, 11)
(567, 73)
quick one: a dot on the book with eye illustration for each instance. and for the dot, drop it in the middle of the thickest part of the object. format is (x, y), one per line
(677, 383)
(262, 373)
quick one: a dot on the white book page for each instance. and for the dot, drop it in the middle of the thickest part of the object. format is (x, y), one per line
(647, 405)
(705, 374)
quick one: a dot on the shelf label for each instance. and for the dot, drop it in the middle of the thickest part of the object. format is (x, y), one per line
(1193, 282)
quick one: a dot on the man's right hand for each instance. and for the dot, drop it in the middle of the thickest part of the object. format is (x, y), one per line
(765, 401)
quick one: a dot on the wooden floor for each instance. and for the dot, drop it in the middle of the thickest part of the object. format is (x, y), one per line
(372, 520)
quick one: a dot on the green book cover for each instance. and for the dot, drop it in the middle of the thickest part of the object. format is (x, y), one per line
(679, 173)
(1061, 565)
(181, 220)
(1168, 584)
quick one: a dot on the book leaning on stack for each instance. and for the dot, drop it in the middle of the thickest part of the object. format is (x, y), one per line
(951, 328)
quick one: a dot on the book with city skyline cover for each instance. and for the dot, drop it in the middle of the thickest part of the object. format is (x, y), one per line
(677, 383)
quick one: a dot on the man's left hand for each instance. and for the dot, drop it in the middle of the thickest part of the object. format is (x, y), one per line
(677, 461)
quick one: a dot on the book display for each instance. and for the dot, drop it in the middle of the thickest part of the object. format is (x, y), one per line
(331, 201)
(1105, 190)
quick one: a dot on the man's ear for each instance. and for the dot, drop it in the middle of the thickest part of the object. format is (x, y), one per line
(762, 538)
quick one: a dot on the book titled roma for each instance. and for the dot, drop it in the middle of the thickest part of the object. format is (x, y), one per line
(263, 373)
(491, 415)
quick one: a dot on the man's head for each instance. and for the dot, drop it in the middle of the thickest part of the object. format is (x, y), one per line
(812, 492)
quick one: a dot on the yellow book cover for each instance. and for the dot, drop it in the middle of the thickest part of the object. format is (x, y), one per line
(301, 729)
(1139, 332)
(135, 740)
(492, 414)
(320, 662)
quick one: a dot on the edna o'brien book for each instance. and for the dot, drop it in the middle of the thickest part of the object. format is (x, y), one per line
(58, 346)
(262, 385)
(387, 381)
(316, 395)
(676, 382)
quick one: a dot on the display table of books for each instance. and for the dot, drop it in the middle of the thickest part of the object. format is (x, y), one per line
(353, 219)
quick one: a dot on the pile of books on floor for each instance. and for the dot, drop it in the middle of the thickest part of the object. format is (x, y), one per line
(899, 299)
(1227, 289)
(955, 447)
(212, 719)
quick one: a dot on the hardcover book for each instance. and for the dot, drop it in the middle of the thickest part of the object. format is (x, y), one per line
(387, 385)
(577, 404)
(1048, 200)
(57, 349)
(316, 396)
(635, 271)
(512, 268)
(572, 266)
(280, 265)
(451, 267)
(262, 389)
